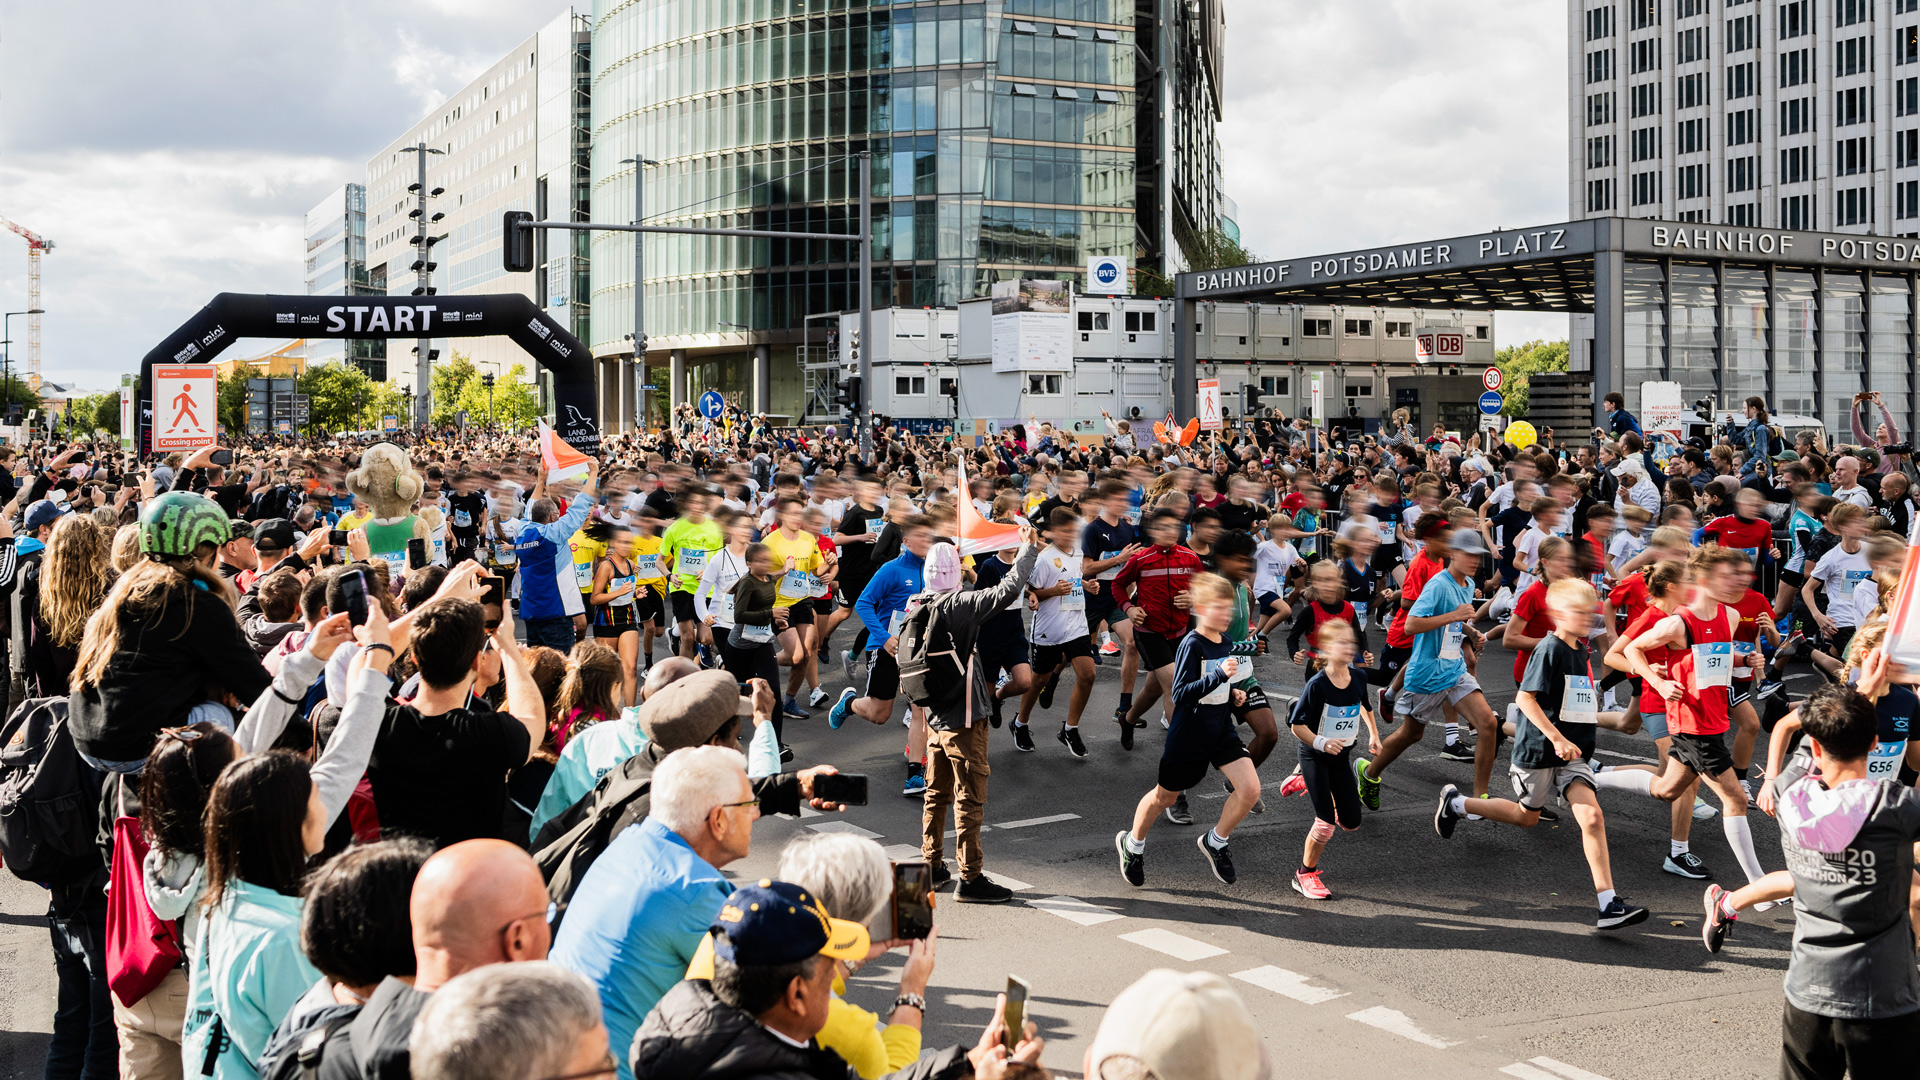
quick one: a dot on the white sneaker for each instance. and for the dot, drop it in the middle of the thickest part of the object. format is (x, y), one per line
(1702, 809)
(817, 698)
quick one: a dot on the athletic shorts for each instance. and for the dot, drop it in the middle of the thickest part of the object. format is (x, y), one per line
(1425, 708)
(800, 614)
(682, 606)
(1155, 651)
(1706, 755)
(1791, 577)
(822, 605)
(1265, 602)
(1256, 700)
(1837, 641)
(1654, 724)
(646, 606)
(1532, 787)
(1180, 774)
(1047, 658)
(883, 675)
(1385, 558)
(1739, 692)
(1001, 652)
(848, 591)
(1102, 611)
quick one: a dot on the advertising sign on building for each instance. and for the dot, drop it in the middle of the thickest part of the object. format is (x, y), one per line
(1209, 404)
(184, 406)
(1107, 274)
(1662, 408)
(1439, 344)
(1032, 326)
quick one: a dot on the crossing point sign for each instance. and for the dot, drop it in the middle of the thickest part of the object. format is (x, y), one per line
(184, 411)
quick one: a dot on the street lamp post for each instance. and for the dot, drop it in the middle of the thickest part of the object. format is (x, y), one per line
(640, 287)
(6, 358)
(423, 274)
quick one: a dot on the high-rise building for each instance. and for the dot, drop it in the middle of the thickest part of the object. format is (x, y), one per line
(513, 139)
(1009, 140)
(336, 240)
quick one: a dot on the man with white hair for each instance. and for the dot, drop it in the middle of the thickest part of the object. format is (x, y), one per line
(1846, 483)
(637, 919)
(511, 1022)
(1635, 487)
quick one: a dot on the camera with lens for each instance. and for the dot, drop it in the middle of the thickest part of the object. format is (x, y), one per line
(1898, 448)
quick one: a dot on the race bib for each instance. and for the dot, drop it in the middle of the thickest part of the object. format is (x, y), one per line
(1742, 650)
(874, 525)
(462, 519)
(1342, 722)
(1221, 694)
(647, 567)
(1852, 581)
(899, 618)
(1076, 600)
(396, 561)
(1360, 612)
(690, 561)
(722, 609)
(504, 554)
(757, 635)
(1752, 554)
(583, 574)
(625, 598)
(796, 585)
(1884, 762)
(1581, 703)
(1110, 572)
(820, 588)
(1385, 528)
(1451, 637)
(1713, 664)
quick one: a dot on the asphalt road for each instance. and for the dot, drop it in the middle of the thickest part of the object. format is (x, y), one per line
(1469, 958)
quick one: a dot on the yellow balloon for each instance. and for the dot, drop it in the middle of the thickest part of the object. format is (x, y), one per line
(1521, 434)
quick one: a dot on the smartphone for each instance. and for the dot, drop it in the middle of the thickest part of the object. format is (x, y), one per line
(353, 586)
(496, 593)
(222, 456)
(912, 899)
(416, 553)
(337, 537)
(847, 788)
(1016, 1012)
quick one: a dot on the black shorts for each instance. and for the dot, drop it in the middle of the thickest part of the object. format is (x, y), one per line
(1739, 692)
(1706, 755)
(1794, 578)
(1155, 651)
(1180, 774)
(1256, 700)
(1385, 558)
(883, 675)
(800, 614)
(1102, 610)
(1001, 652)
(822, 605)
(646, 606)
(1047, 658)
(847, 590)
(1838, 640)
(682, 606)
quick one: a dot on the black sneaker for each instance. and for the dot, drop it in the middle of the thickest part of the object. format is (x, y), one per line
(1687, 865)
(1217, 857)
(1046, 692)
(1719, 924)
(1126, 733)
(1549, 815)
(1444, 815)
(786, 754)
(1457, 750)
(941, 875)
(1133, 866)
(996, 718)
(1023, 737)
(1070, 738)
(982, 890)
(1178, 812)
(1619, 913)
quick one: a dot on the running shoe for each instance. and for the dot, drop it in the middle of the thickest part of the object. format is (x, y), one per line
(982, 890)
(817, 698)
(1070, 738)
(995, 718)
(838, 714)
(846, 663)
(1217, 857)
(1769, 905)
(1259, 806)
(1457, 750)
(1308, 884)
(1178, 812)
(1702, 809)
(1444, 815)
(1046, 692)
(916, 781)
(1369, 789)
(706, 657)
(792, 710)
(1110, 648)
(1687, 865)
(1133, 864)
(1294, 784)
(1619, 913)
(1126, 734)
(786, 754)
(1023, 737)
(1548, 815)
(941, 875)
(1718, 924)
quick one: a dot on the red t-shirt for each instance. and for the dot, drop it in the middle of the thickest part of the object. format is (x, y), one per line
(1629, 597)
(1419, 572)
(1753, 537)
(1701, 710)
(1747, 635)
(1652, 704)
(1536, 622)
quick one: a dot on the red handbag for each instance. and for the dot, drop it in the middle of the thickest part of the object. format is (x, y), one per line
(141, 947)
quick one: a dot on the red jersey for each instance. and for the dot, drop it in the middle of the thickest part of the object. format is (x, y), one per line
(1649, 617)
(1705, 673)
(1629, 598)
(1420, 571)
(1746, 636)
(1535, 622)
(1598, 578)
(1151, 579)
(1753, 537)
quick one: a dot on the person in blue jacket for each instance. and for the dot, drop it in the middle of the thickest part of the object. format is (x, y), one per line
(883, 609)
(542, 543)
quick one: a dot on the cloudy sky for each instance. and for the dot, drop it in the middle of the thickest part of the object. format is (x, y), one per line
(171, 150)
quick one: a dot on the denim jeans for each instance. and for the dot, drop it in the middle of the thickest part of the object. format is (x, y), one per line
(85, 1043)
(553, 633)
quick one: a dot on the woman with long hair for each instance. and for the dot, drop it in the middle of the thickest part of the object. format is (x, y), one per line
(74, 579)
(615, 589)
(587, 693)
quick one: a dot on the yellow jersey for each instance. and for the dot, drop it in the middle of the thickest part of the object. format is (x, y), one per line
(802, 581)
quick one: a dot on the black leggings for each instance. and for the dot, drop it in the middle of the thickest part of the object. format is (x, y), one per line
(1331, 787)
(1814, 1047)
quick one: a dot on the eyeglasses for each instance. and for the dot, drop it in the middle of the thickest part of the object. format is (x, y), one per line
(611, 1066)
(748, 802)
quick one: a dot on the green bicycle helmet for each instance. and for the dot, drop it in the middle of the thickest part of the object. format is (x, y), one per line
(178, 522)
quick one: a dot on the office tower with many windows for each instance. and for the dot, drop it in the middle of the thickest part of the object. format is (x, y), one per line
(336, 265)
(1009, 139)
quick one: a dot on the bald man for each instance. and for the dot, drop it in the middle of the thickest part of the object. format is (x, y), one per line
(1846, 483)
(601, 748)
(474, 903)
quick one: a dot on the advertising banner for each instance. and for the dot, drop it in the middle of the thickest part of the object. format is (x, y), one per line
(1107, 274)
(1032, 326)
(1662, 407)
(185, 413)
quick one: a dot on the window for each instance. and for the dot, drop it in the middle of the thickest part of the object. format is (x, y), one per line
(1906, 45)
(1852, 157)
(1600, 66)
(1275, 385)
(1901, 7)
(1853, 106)
(1646, 143)
(1480, 333)
(1316, 327)
(1848, 12)
(1743, 33)
(1691, 182)
(949, 386)
(1360, 389)
(1359, 328)
(1045, 384)
(1642, 13)
(1906, 199)
(1796, 164)
(1796, 116)
(1743, 127)
(1646, 188)
(1906, 148)
(1397, 329)
(1646, 99)
(1599, 195)
(1690, 91)
(1141, 322)
(1599, 23)
(1094, 320)
(1743, 80)
(1906, 96)
(1743, 214)
(1796, 67)
(1743, 174)
(1796, 19)
(1599, 109)
(1796, 212)
(1690, 137)
(1600, 152)
(1851, 206)
(1644, 55)
(1690, 45)
(1851, 57)
(909, 385)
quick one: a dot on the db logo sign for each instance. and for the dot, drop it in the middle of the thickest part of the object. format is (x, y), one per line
(1431, 345)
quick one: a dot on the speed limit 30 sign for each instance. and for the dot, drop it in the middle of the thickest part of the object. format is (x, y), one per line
(1490, 378)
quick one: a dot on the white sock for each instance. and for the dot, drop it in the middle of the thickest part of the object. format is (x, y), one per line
(1135, 846)
(1214, 841)
(1740, 837)
(1458, 804)
(1636, 780)
(1453, 733)
(1606, 897)
(1676, 847)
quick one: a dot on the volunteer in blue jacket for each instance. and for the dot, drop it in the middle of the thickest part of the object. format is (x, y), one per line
(543, 543)
(883, 609)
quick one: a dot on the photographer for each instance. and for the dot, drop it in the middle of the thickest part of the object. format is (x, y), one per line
(1895, 456)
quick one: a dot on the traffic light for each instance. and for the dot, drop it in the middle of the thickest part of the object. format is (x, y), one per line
(848, 395)
(516, 234)
(1250, 396)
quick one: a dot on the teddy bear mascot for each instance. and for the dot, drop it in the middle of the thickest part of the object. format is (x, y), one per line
(386, 483)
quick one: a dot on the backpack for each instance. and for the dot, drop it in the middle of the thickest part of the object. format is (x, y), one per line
(933, 674)
(568, 845)
(296, 1050)
(49, 797)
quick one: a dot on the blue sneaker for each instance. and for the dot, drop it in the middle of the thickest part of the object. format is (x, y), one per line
(916, 781)
(838, 714)
(792, 710)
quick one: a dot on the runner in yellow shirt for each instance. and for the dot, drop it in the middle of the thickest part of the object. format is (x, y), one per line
(650, 576)
(796, 555)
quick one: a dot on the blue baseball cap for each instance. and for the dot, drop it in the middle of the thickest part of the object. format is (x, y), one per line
(45, 512)
(771, 923)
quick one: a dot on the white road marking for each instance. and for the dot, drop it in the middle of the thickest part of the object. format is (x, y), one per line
(1288, 984)
(1048, 820)
(1527, 1072)
(1012, 883)
(808, 811)
(1451, 926)
(1395, 1021)
(1076, 910)
(950, 834)
(1564, 1070)
(1175, 945)
(844, 827)
(903, 852)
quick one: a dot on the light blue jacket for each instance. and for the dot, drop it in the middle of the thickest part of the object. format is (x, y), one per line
(247, 973)
(586, 758)
(635, 923)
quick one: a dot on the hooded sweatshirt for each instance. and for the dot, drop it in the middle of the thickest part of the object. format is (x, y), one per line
(1850, 849)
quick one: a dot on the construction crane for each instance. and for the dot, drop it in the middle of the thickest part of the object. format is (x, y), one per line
(37, 246)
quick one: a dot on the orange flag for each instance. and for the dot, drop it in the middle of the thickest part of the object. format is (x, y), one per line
(563, 462)
(975, 535)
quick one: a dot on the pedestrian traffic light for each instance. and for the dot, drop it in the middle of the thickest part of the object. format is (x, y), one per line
(848, 395)
(516, 233)
(1251, 394)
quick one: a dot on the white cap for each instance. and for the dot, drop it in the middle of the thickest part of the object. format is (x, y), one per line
(1629, 467)
(1181, 1026)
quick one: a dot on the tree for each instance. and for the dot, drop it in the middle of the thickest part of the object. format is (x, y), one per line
(231, 405)
(516, 402)
(337, 394)
(1518, 363)
(1209, 250)
(448, 383)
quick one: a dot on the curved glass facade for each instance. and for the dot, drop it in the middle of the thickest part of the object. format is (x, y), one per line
(1003, 140)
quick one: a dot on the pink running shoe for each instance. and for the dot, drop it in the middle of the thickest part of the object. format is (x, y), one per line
(1308, 884)
(1111, 648)
(1294, 784)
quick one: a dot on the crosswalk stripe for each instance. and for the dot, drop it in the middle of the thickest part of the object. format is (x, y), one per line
(1048, 820)
(1288, 984)
(844, 827)
(903, 852)
(1570, 1072)
(1527, 1072)
(1175, 945)
(1075, 910)
(1397, 1022)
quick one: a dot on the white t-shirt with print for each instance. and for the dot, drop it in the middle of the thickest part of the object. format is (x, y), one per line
(1060, 619)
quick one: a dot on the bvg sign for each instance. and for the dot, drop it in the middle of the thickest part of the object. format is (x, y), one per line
(1433, 344)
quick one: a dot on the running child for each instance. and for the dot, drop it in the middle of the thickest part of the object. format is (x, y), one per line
(1326, 720)
(1058, 595)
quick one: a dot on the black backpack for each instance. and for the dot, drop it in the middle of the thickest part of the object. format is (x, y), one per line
(933, 674)
(568, 845)
(296, 1050)
(49, 797)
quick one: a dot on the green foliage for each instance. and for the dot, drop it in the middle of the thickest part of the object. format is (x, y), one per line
(1518, 363)
(14, 391)
(231, 406)
(1210, 250)
(340, 397)
(516, 402)
(449, 382)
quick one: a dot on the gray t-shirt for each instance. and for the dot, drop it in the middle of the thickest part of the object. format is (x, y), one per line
(1850, 849)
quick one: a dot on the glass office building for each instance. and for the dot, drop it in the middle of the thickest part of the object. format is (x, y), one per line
(1007, 142)
(336, 265)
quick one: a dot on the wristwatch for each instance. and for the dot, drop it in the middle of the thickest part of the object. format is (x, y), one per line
(915, 1000)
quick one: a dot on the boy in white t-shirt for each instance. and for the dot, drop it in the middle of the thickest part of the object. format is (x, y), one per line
(1273, 561)
(1060, 636)
(1630, 539)
(1547, 513)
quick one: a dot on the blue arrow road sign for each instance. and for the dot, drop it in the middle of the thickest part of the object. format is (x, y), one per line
(712, 405)
(1490, 403)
